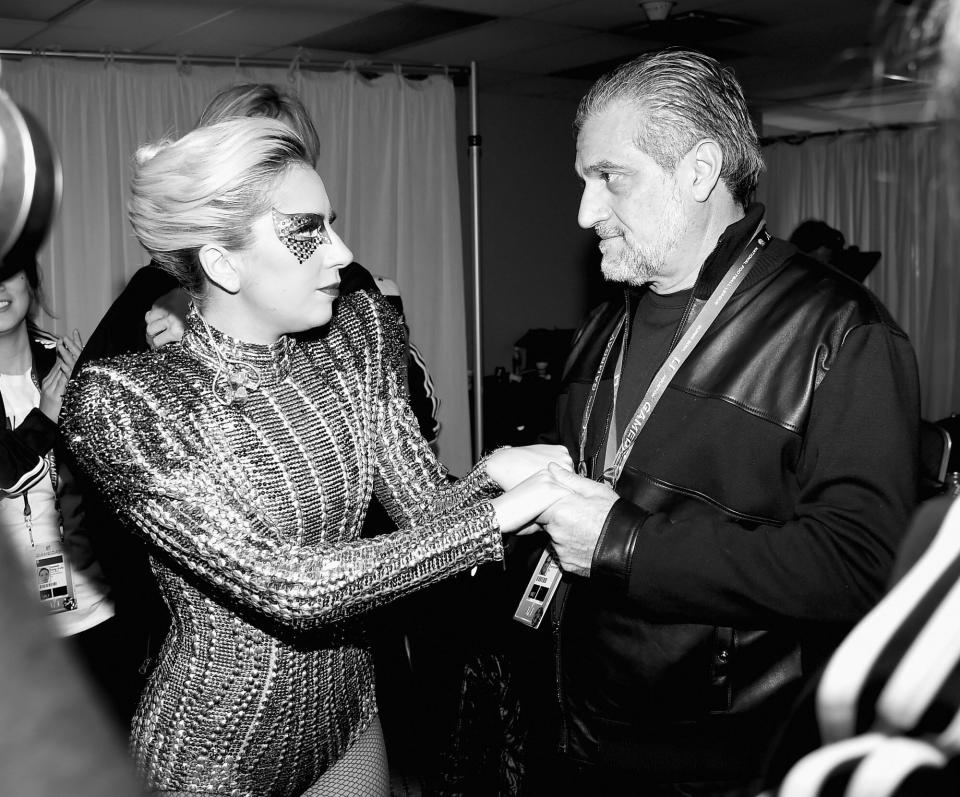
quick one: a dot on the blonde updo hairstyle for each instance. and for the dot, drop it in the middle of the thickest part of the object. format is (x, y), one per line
(207, 188)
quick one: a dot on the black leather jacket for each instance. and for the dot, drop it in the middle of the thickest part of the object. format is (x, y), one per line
(759, 512)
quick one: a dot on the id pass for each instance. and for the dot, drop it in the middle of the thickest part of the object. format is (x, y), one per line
(54, 579)
(543, 583)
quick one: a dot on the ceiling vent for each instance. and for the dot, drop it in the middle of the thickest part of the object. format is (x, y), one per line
(689, 28)
(657, 10)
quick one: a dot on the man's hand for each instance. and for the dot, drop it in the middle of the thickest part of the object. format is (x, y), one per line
(574, 521)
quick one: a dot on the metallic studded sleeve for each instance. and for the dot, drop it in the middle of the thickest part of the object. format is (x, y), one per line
(167, 466)
(410, 482)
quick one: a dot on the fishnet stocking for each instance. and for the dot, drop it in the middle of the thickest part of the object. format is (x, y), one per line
(362, 772)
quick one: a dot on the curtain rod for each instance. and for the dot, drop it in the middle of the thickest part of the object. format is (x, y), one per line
(298, 61)
(799, 138)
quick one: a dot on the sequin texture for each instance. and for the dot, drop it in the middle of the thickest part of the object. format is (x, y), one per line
(253, 512)
(301, 233)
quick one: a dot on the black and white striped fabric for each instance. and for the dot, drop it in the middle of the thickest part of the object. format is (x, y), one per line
(888, 702)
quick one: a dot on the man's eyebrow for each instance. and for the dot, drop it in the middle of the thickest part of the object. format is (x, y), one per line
(602, 166)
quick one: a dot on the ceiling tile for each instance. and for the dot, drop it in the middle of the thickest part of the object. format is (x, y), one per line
(497, 8)
(255, 30)
(151, 19)
(13, 32)
(65, 37)
(394, 28)
(483, 42)
(588, 48)
(33, 9)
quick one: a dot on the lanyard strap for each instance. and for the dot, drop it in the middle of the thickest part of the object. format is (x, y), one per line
(694, 334)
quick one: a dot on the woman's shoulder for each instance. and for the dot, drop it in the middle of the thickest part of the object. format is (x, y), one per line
(367, 316)
(142, 372)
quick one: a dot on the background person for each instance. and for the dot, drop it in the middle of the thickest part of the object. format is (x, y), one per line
(717, 555)
(41, 516)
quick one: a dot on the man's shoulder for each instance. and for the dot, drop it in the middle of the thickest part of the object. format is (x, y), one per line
(806, 282)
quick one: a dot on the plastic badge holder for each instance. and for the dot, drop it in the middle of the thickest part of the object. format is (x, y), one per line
(540, 590)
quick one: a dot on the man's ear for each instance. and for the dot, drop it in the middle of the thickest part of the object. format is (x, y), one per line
(219, 266)
(707, 163)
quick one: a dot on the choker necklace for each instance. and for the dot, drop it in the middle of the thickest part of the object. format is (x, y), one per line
(234, 378)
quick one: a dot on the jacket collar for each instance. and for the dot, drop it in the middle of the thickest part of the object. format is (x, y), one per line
(729, 245)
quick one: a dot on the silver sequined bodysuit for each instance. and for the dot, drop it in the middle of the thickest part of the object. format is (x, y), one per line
(253, 513)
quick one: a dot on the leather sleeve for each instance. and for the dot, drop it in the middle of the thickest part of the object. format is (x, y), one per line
(613, 556)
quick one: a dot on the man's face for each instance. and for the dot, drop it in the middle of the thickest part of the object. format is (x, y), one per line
(634, 205)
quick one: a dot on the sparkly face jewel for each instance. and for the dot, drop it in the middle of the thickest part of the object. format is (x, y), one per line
(301, 233)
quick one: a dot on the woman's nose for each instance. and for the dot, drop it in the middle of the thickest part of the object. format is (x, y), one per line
(341, 255)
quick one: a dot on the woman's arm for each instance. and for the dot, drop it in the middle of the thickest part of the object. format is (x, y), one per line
(410, 482)
(181, 487)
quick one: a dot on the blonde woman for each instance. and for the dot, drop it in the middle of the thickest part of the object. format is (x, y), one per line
(247, 460)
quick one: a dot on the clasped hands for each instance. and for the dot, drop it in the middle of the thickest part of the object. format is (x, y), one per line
(541, 490)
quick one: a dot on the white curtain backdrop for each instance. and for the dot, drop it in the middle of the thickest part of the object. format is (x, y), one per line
(388, 159)
(884, 191)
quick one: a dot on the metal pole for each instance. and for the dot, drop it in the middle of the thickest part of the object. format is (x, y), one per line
(474, 144)
(221, 60)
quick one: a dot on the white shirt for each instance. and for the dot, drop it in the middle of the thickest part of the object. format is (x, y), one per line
(20, 396)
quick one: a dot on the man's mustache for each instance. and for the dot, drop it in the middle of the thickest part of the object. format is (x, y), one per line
(606, 231)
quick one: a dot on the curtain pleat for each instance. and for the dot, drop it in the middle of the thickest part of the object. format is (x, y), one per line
(388, 159)
(885, 191)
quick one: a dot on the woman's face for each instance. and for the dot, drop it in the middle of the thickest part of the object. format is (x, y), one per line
(291, 271)
(15, 299)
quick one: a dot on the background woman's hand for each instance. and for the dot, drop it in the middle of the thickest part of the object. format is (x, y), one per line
(518, 507)
(165, 319)
(55, 382)
(510, 466)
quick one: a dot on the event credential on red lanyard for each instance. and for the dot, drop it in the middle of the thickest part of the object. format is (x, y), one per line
(694, 334)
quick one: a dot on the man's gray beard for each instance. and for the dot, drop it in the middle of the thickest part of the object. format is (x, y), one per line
(638, 265)
(632, 266)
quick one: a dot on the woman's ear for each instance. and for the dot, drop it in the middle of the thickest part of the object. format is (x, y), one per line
(218, 264)
(707, 166)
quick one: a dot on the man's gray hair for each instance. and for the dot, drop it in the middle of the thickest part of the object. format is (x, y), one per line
(681, 97)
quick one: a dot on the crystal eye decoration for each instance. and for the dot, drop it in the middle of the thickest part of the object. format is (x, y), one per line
(301, 233)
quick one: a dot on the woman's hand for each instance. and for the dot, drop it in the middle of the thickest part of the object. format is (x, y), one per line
(165, 319)
(55, 382)
(510, 466)
(517, 508)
